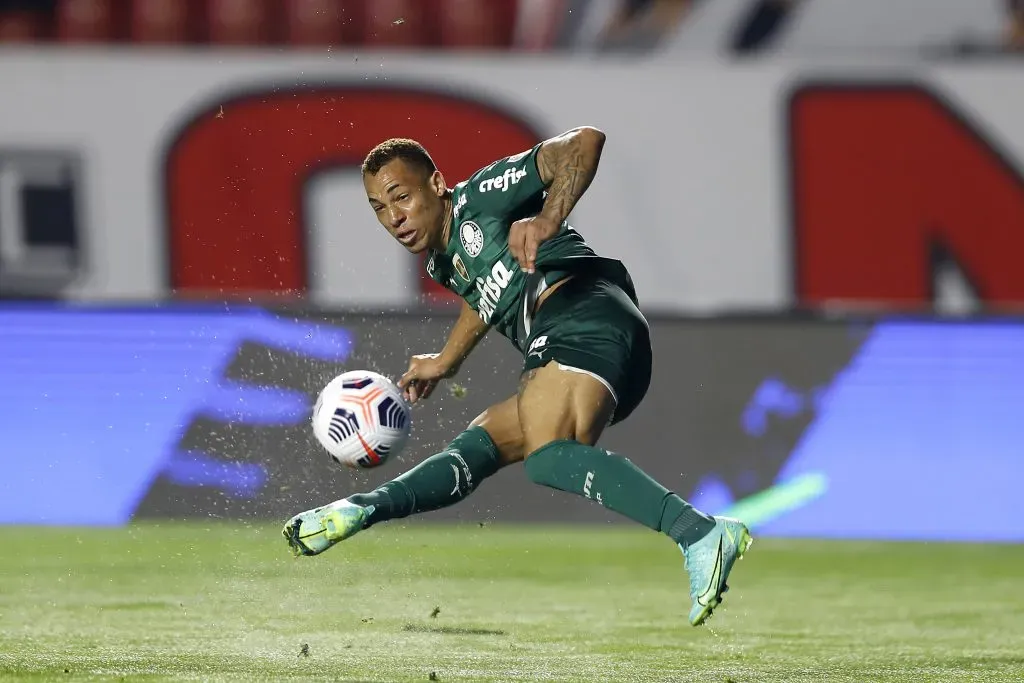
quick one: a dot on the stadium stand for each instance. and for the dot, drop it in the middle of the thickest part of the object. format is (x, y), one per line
(683, 26)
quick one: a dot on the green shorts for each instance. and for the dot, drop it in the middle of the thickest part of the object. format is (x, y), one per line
(590, 325)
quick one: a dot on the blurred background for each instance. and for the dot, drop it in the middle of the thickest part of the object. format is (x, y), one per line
(821, 202)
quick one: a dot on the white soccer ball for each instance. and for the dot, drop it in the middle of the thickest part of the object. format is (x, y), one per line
(361, 419)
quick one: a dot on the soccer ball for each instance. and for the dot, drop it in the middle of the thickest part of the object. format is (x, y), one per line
(361, 419)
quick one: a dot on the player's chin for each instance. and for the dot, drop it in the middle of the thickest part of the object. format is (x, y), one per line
(416, 247)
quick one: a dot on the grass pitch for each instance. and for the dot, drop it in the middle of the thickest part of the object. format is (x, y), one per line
(215, 602)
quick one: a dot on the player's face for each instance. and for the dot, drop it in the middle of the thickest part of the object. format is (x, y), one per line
(409, 203)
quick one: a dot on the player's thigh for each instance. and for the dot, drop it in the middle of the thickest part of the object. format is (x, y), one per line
(501, 422)
(595, 335)
(557, 403)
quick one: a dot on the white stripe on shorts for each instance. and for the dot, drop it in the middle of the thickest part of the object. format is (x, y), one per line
(602, 380)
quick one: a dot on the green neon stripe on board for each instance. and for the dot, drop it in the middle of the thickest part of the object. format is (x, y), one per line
(773, 502)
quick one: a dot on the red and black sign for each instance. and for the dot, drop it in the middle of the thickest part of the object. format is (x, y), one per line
(236, 175)
(886, 181)
(889, 180)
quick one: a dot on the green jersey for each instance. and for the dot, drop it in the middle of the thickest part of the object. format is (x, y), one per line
(478, 265)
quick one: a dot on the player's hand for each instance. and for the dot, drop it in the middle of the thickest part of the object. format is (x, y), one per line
(525, 237)
(425, 371)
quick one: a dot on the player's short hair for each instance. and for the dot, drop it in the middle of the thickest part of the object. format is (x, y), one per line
(409, 151)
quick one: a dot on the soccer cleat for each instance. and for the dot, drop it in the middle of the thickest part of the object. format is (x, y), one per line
(314, 531)
(709, 561)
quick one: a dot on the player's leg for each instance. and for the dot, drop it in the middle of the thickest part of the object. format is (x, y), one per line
(593, 367)
(563, 413)
(492, 441)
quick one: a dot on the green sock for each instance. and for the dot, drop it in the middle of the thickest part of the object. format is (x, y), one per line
(619, 485)
(439, 481)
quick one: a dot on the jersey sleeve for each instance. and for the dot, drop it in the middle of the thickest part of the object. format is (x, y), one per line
(437, 271)
(510, 187)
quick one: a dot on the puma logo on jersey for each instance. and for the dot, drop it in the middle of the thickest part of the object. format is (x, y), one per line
(506, 180)
(491, 289)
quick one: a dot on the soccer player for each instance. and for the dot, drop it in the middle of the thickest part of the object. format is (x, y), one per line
(500, 241)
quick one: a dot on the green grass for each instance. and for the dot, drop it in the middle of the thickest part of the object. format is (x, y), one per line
(212, 602)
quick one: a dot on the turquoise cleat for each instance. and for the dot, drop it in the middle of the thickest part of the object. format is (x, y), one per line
(709, 561)
(314, 531)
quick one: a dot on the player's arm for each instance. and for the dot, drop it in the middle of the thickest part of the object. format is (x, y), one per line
(425, 371)
(468, 330)
(567, 165)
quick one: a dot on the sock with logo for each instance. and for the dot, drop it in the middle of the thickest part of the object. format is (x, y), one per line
(619, 485)
(441, 480)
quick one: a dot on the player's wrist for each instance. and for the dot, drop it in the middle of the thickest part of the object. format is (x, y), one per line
(552, 213)
(449, 362)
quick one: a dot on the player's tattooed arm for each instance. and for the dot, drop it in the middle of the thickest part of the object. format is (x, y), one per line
(567, 165)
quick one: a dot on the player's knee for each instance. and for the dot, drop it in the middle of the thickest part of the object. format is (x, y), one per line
(536, 442)
(543, 444)
(552, 427)
(559, 431)
(544, 463)
(501, 422)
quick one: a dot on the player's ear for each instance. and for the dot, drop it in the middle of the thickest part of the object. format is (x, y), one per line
(437, 184)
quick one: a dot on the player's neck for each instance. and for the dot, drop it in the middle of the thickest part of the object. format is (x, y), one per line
(446, 228)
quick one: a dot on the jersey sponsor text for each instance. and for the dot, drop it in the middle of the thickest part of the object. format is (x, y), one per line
(510, 177)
